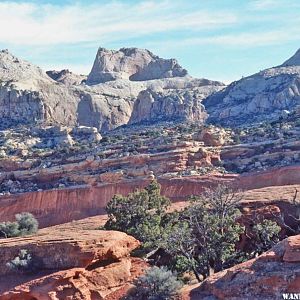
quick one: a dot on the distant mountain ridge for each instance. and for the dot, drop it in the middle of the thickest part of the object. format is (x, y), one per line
(259, 97)
(104, 99)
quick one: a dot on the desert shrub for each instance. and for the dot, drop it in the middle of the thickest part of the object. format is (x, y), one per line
(25, 224)
(28, 224)
(9, 229)
(156, 284)
(23, 262)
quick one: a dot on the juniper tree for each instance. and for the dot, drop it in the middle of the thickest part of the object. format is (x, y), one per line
(140, 214)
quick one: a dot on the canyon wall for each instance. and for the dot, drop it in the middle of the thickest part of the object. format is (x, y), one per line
(62, 205)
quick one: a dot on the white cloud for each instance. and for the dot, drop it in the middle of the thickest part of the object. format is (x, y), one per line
(44, 24)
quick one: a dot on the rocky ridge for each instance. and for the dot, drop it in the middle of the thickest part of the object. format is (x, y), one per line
(30, 96)
(66, 77)
(269, 94)
(46, 176)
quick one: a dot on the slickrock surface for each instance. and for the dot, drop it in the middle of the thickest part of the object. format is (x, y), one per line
(64, 249)
(274, 272)
(132, 63)
(74, 264)
(260, 97)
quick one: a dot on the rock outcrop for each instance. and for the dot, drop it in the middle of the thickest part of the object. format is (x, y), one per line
(62, 205)
(57, 250)
(72, 264)
(268, 276)
(27, 94)
(260, 97)
(66, 77)
(132, 64)
(211, 136)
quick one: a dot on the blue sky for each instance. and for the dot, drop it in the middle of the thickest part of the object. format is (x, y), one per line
(217, 39)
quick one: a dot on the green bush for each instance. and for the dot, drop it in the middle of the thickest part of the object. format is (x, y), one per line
(9, 229)
(266, 235)
(156, 284)
(140, 214)
(25, 224)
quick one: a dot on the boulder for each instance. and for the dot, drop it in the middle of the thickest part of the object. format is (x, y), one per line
(64, 250)
(211, 136)
(85, 133)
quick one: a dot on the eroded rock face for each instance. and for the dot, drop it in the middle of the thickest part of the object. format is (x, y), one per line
(133, 64)
(273, 273)
(73, 264)
(28, 95)
(180, 105)
(260, 97)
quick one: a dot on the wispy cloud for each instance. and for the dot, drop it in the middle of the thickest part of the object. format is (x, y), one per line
(272, 4)
(254, 39)
(264, 4)
(34, 24)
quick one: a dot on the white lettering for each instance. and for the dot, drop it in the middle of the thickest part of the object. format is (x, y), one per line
(290, 296)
